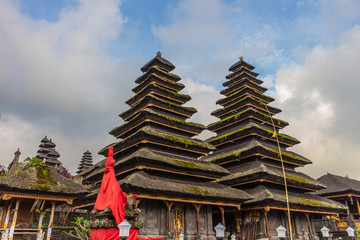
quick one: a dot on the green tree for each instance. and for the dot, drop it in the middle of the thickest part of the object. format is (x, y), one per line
(80, 231)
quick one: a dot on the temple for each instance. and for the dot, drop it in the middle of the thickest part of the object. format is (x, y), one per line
(28, 189)
(86, 162)
(48, 153)
(157, 158)
(250, 146)
(346, 191)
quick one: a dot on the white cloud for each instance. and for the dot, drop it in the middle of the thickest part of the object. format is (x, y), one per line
(57, 79)
(319, 99)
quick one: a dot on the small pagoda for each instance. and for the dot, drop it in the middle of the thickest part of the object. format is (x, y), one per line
(249, 145)
(48, 153)
(157, 158)
(86, 162)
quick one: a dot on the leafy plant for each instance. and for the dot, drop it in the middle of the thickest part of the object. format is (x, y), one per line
(33, 161)
(80, 231)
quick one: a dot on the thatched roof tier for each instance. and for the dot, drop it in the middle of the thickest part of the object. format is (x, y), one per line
(146, 158)
(339, 186)
(86, 162)
(245, 102)
(142, 183)
(147, 116)
(158, 71)
(240, 84)
(258, 171)
(40, 179)
(249, 113)
(255, 148)
(161, 92)
(153, 102)
(161, 81)
(239, 76)
(228, 100)
(241, 64)
(148, 135)
(159, 62)
(252, 129)
(263, 196)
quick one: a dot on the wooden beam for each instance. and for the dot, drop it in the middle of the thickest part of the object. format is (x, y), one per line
(164, 198)
(169, 205)
(266, 209)
(48, 235)
(308, 222)
(197, 207)
(222, 215)
(13, 224)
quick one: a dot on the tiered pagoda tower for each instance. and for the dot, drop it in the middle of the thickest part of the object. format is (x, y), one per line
(47, 151)
(156, 157)
(247, 146)
(86, 162)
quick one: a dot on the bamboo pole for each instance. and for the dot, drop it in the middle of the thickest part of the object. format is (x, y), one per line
(42, 213)
(283, 171)
(48, 235)
(7, 217)
(12, 228)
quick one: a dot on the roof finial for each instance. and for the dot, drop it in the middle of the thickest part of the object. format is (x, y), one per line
(241, 58)
(158, 54)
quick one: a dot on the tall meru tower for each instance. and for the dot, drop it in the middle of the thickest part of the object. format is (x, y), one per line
(247, 140)
(156, 157)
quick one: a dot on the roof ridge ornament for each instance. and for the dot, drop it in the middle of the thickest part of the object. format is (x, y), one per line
(241, 58)
(158, 54)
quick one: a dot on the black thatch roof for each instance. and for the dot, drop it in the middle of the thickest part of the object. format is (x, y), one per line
(158, 60)
(337, 185)
(241, 63)
(151, 100)
(148, 134)
(249, 148)
(148, 158)
(249, 113)
(159, 91)
(158, 71)
(240, 84)
(141, 182)
(162, 81)
(238, 76)
(254, 130)
(263, 196)
(258, 170)
(245, 102)
(40, 179)
(147, 115)
(242, 93)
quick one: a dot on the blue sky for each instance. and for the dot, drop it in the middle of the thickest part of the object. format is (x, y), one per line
(67, 68)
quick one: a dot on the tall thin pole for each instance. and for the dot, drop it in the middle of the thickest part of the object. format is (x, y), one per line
(283, 171)
(13, 224)
(48, 235)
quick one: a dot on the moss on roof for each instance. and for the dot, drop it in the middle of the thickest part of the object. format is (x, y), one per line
(236, 116)
(187, 189)
(40, 177)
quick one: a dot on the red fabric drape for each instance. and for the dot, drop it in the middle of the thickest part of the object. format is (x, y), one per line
(105, 234)
(110, 194)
